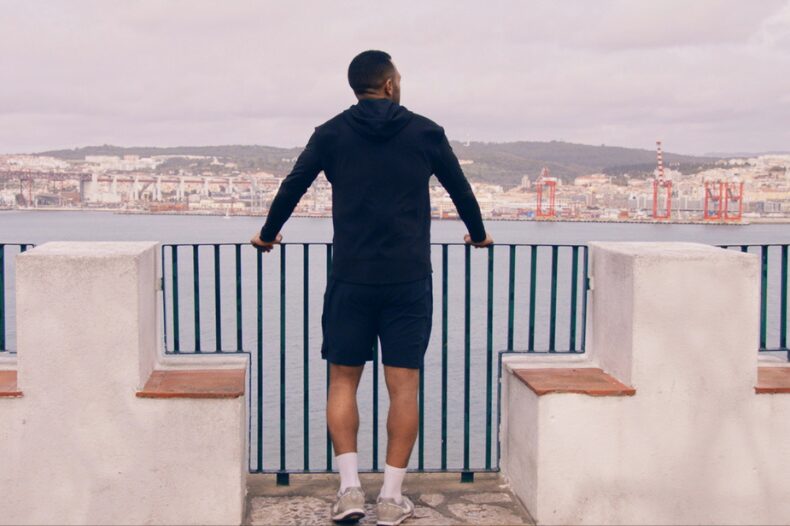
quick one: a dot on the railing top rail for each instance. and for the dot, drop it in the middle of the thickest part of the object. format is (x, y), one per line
(452, 243)
(302, 243)
(436, 243)
(752, 244)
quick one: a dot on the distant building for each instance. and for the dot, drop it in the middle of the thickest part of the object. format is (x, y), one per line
(592, 179)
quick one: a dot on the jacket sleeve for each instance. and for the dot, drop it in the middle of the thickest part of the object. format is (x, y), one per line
(307, 167)
(448, 172)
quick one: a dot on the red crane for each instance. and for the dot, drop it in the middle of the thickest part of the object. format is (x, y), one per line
(714, 202)
(719, 196)
(661, 185)
(549, 183)
(730, 196)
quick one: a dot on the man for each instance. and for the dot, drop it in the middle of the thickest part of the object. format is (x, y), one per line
(378, 157)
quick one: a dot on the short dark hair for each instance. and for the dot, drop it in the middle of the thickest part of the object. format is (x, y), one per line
(369, 71)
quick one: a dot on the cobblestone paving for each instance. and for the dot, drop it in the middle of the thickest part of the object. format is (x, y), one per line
(438, 498)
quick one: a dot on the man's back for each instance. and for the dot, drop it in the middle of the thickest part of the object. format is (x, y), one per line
(378, 157)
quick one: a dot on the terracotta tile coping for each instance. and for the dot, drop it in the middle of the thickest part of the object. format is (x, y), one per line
(582, 380)
(201, 383)
(772, 380)
(8, 387)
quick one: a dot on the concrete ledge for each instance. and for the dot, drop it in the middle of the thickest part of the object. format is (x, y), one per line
(773, 380)
(512, 361)
(7, 361)
(182, 361)
(8, 386)
(770, 359)
(581, 380)
(206, 383)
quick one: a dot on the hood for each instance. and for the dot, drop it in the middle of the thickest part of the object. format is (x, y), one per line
(377, 119)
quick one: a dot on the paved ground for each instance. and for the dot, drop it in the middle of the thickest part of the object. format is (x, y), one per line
(439, 499)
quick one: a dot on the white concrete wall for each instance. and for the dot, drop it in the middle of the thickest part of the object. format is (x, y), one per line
(79, 447)
(695, 445)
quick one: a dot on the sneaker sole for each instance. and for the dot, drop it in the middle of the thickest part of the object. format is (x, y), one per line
(352, 515)
(395, 523)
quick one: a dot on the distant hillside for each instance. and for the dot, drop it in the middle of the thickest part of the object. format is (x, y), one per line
(499, 163)
(730, 155)
(247, 157)
(505, 163)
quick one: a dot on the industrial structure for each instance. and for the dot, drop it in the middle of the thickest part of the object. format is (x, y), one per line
(723, 200)
(549, 184)
(661, 186)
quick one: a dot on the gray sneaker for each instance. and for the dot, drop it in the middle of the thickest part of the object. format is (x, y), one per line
(350, 505)
(390, 513)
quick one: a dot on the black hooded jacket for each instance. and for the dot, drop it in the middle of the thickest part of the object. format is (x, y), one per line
(378, 156)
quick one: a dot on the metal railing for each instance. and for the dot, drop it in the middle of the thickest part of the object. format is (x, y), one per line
(269, 306)
(456, 384)
(773, 294)
(7, 251)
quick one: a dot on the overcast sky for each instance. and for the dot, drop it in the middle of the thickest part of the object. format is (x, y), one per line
(703, 75)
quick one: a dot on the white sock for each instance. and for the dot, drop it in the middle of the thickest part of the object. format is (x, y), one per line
(393, 480)
(348, 466)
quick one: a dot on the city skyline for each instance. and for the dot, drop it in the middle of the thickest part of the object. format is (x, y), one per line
(711, 75)
(735, 191)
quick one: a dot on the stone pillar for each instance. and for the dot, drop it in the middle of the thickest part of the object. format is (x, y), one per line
(684, 311)
(661, 422)
(82, 445)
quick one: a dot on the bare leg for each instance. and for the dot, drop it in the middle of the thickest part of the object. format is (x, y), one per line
(402, 420)
(342, 415)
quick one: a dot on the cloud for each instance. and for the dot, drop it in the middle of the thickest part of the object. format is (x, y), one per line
(704, 75)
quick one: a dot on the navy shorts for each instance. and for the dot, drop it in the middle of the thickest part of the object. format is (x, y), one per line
(398, 314)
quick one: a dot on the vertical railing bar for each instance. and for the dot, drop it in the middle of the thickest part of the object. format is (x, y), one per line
(763, 295)
(196, 294)
(511, 297)
(444, 357)
(176, 321)
(163, 288)
(328, 436)
(574, 297)
(499, 409)
(421, 420)
(375, 404)
(306, 357)
(259, 364)
(2, 298)
(585, 288)
(467, 351)
(217, 300)
(533, 280)
(282, 356)
(783, 304)
(489, 354)
(553, 307)
(239, 320)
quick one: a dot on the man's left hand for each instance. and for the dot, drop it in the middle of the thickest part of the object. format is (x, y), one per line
(262, 245)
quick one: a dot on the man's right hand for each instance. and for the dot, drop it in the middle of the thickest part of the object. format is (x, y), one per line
(264, 246)
(481, 244)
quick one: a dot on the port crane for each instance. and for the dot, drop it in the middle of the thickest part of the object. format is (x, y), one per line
(661, 186)
(719, 198)
(548, 184)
